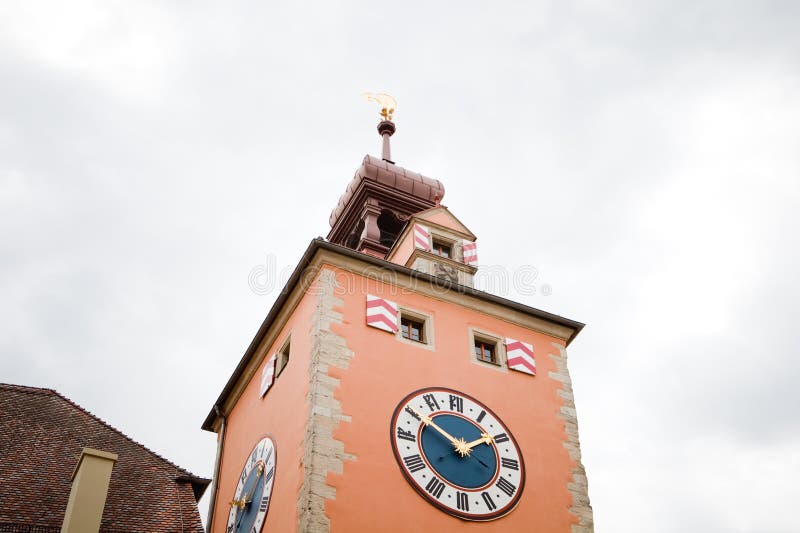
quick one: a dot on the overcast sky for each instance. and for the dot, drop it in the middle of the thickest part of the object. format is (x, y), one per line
(642, 156)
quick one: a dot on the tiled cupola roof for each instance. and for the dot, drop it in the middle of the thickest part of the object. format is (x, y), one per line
(420, 187)
(377, 203)
(42, 434)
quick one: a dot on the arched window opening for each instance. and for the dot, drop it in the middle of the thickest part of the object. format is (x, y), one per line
(390, 227)
(355, 236)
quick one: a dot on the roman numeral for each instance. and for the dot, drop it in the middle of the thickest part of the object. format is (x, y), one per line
(253, 456)
(244, 476)
(502, 437)
(412, 413)
(230, 528)
(506, 486)
(414, 463)
(253, 530)
(430, 399)
(480, 416)
(269, 454)
(462, 501)
(456, 403)
(264, 504)
(489, 502)
(269, 475)
(435, 487)
(509, 463)
(405, 435)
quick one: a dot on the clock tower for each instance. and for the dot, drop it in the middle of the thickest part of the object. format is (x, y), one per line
(384, 393)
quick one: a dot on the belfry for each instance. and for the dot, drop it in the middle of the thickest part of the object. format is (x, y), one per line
(383, 392)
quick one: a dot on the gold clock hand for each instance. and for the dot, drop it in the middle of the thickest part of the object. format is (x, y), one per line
(458, 444)
(485, 439)
(249, 497)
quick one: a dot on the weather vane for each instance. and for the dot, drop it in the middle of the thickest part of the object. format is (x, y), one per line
(387, 102)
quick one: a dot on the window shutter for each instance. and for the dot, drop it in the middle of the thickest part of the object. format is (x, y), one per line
(381, 313)
(470, 252)
(422, 237)
(520, 356)
(268, 375)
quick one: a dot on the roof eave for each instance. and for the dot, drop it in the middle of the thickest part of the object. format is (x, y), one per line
(199, 484)
(262, 330)
(320, 244)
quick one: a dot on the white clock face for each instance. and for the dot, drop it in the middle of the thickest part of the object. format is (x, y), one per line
(251, 499)
(457, 454)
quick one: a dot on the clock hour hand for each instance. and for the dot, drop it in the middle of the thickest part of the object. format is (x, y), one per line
(485, 439)
(458, 444)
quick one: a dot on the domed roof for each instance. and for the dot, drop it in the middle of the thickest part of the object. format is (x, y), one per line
(391, 175)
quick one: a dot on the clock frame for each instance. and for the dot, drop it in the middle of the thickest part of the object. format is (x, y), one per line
(457, 454)
(253, 493)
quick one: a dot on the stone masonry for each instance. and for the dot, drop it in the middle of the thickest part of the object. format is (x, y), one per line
(578, 487)
(322, 453)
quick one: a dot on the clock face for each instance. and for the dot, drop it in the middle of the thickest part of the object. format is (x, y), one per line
(457, 454)
(251, 499)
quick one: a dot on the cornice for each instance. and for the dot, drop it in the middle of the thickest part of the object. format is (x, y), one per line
(321, 253)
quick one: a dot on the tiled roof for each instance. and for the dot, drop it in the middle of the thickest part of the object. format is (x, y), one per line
(42, 434)
(389, 174)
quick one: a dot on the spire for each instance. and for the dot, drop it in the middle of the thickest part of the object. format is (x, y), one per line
(386, 127)
(381, 196)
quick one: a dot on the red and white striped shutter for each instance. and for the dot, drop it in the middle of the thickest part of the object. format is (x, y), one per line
(520, 356)
(470, 252)
(422, 237)
(268, 375)
(381, 313)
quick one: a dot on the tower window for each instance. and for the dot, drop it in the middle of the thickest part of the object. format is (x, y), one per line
(442, 249)
(486, 351)
(412, 329)
(416, 328)
(283, 358)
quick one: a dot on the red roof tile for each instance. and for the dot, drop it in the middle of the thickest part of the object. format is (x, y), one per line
(42, 434)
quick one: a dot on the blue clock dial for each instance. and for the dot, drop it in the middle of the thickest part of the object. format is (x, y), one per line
(468, 471)
(457, 454)
(252, 491)
(252, 496)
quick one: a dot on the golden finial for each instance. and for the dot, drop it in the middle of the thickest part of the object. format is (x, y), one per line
(387, 102)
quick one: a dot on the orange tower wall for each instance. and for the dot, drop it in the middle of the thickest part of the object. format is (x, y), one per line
(371, 493)
(282, 415)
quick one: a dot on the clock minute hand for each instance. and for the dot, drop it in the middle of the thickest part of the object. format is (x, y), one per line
(458, 444)
(428, 421)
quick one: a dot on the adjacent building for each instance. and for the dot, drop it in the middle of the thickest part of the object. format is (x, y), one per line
(43, 438)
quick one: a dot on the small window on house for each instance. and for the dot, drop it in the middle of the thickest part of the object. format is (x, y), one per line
(486, 351)
(283, 358)
(412, 329)
(441, 248)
